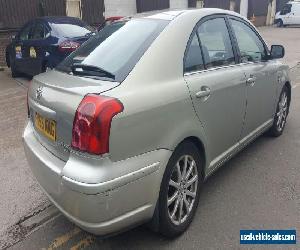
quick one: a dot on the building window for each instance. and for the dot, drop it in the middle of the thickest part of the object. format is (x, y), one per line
(74, 8)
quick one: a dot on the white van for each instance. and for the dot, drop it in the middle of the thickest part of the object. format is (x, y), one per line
(290, 14)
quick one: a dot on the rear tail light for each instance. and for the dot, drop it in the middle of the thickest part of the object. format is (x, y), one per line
(91, 126)
(68, 46)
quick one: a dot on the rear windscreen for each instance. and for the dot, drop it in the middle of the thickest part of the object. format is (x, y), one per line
(72, 30)
(117, 47)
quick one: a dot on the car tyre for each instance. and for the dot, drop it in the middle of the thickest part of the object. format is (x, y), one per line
(180, 190)
(280, 23)
(14, 72)
(7, 58)
(281, 114)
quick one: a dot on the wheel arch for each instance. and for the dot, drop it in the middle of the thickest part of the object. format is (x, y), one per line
(44, 65)
(289, 87)
(201, 148)
(280, 22)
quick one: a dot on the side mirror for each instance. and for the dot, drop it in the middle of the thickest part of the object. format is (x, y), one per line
(277, 51)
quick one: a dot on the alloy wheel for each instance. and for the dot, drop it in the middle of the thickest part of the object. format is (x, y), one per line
(182, 190)
(282, 112)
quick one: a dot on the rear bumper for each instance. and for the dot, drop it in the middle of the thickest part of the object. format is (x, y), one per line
(101, 208)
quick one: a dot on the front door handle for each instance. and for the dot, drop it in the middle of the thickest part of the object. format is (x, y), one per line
(204, 93)
(250, 81)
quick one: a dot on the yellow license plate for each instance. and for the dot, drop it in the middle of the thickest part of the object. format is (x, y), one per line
(45, 126)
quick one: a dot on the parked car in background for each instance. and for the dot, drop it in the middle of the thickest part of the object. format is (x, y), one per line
(109, 21)
(45, 42)
(289, 15)
(127, 128)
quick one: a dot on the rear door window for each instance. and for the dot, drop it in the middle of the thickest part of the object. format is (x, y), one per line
(215, 43)
(193, 59)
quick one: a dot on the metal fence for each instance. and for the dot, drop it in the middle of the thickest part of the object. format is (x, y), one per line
(14, 13)
(92, 11)
(258, 7)
(222, 4)
(146, 5)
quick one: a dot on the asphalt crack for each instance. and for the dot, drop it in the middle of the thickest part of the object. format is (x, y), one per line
(27, 224)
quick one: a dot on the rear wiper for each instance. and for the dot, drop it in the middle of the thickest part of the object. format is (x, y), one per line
(90, 70)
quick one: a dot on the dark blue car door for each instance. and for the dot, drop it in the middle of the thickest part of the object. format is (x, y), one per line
(37, 48)
(20, 55)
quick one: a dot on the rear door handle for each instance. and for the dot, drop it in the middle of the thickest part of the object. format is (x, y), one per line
(250, 81)
(204, 93)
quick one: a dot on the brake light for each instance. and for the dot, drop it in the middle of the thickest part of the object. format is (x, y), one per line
(91, 126)
(68, 46)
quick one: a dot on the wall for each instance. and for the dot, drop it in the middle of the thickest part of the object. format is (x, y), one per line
(92, 11)
(119, 7)
(258, 8)
(146, 5)
(260, 21)
(178, 4)
(5, 37)
(222, 4)
(15, 13)
(192, 3)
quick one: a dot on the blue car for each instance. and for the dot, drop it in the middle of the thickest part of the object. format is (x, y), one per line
(44, 42)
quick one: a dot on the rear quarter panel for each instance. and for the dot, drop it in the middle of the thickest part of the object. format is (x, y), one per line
(158, 110)
(154, 117)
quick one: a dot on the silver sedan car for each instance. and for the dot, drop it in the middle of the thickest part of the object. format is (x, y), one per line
(126, 129)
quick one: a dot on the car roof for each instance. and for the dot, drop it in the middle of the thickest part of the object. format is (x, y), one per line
(162, 14)
(171, 14)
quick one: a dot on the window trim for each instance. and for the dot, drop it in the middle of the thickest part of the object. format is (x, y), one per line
(229, 17)
(233, 41)
(187, 50)
(195, 30)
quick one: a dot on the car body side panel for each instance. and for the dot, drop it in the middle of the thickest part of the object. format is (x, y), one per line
(260, 95)
(282, 78)
(148, 119)
(158, 111)
(222, 113)
(159, 118)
